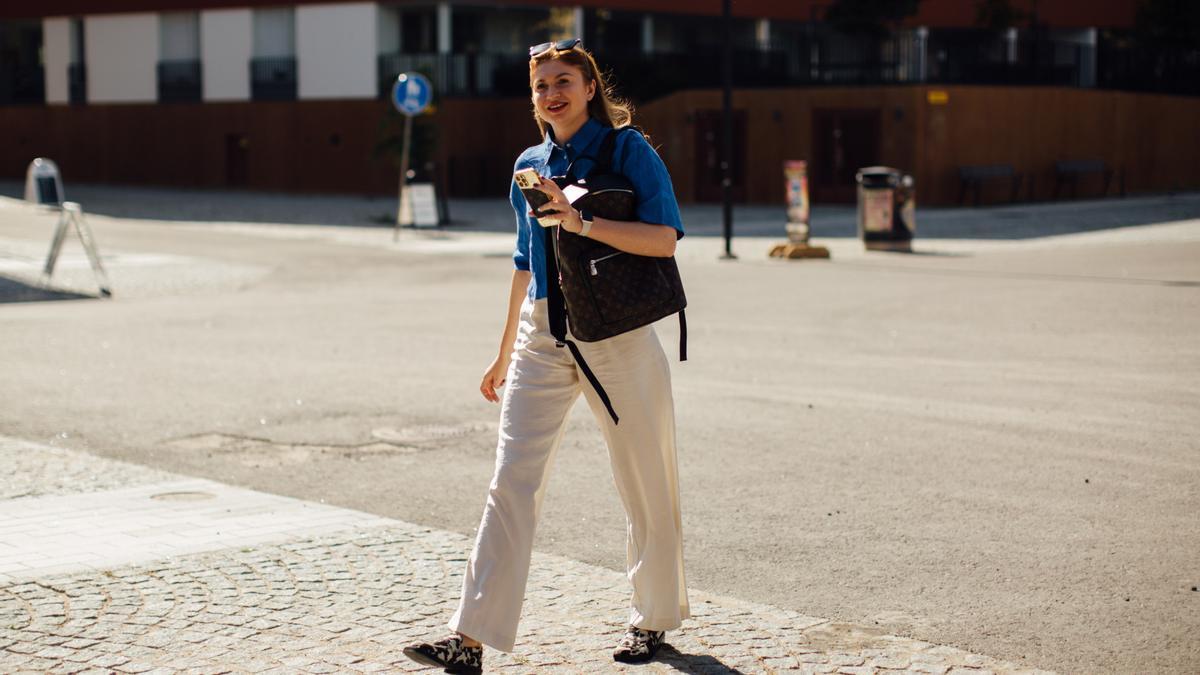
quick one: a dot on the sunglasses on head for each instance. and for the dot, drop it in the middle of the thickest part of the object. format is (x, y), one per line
(560, 46)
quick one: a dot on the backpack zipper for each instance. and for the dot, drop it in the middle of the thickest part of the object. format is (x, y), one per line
(592, 263)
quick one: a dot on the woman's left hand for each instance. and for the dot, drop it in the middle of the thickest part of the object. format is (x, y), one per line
(560, 206)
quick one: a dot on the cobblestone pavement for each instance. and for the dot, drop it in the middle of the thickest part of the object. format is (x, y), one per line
(35, 470)
(294, 587)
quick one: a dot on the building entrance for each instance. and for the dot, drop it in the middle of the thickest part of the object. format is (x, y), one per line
(708, 156)
(236, 151)
(844, 141)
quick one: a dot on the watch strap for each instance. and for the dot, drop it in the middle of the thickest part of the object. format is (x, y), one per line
(585, 217)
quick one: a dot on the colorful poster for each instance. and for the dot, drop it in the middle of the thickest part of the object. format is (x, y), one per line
(796, 179)
(877, 210)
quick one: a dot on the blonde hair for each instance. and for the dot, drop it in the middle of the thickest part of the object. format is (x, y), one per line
(605, 106)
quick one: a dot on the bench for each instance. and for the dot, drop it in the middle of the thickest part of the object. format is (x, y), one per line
(1069, 171)
(971, 178)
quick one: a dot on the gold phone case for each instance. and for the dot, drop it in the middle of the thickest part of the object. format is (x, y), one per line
(527, 179)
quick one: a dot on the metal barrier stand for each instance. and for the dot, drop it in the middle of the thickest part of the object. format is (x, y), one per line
(43, 186)
(71, 214)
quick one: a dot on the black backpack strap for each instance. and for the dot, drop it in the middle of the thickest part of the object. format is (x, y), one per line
(682, 336)
(558, 319)
(604, 156)
(603, 159)
(554, 297)
(591, 378)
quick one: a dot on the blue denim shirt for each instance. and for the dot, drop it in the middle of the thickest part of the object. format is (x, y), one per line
(632, 157)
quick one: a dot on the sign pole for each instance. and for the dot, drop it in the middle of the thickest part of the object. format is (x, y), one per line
(408, 122)
(411, 95)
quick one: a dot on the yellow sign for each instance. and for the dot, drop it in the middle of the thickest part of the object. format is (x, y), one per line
(937, 97)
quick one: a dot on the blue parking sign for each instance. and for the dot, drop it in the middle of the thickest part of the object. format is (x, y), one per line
(412, 93)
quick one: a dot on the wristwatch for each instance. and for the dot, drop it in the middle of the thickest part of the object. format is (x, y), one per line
(585, 217)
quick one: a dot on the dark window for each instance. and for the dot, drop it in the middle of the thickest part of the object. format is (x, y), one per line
(273, 78)
(467, 31)
(179, 81)
(608, 32)
(418, 31)
(77, 83)
(22, 79)
(76, 70)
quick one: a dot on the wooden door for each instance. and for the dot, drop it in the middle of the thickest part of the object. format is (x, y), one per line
(844, 141)
(236, 150)
(708, 156)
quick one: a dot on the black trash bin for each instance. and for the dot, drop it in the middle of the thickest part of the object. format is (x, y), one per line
(886, 208)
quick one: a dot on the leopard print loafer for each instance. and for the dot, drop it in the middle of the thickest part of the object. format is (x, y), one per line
(448, 653)
(638, 646)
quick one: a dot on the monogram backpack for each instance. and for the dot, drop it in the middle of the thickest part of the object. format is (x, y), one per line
(603, 291)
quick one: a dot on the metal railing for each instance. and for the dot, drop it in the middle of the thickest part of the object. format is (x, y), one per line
(982, 57)
(21, 84)
(179, 81)
(273, 79)
(822, 61)
(640, 76)
(1126, 65)
(77, 83)
(827, 58)
(459, 74)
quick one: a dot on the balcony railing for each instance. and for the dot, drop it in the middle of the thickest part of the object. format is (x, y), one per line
(458, 74)
(647, 76)
(824, 57)
(982, 57)
(179, 81)
(273, 79)
(22, 84)
(77, 83)
(1123, 64)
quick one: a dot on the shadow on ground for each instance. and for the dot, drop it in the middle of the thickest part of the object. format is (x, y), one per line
(693, 663)
(1015, 221)
(16, 290)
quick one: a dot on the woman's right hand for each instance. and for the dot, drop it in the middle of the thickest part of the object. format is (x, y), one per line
(493, 378)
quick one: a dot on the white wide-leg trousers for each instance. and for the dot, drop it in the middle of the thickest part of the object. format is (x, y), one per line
(543, 383)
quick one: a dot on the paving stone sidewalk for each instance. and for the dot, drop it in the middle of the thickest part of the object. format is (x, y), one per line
(107, 567)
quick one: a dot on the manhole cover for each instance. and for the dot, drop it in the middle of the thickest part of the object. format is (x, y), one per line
(182, 496)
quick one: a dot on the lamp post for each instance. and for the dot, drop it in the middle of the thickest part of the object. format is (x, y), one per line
(727, 129)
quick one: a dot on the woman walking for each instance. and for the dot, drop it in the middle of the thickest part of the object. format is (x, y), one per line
(575, 111)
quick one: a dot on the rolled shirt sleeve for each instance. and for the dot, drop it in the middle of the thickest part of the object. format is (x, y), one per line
(645, 169)
(521, 253)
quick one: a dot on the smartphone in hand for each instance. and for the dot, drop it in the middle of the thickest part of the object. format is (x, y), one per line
(527, 179)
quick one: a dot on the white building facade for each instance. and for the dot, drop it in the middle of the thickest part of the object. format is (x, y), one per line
(344, 50)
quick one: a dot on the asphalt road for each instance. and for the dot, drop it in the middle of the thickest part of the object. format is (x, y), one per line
(992, 446)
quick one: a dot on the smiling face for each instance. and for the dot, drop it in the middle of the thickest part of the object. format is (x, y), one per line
(560, 95)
